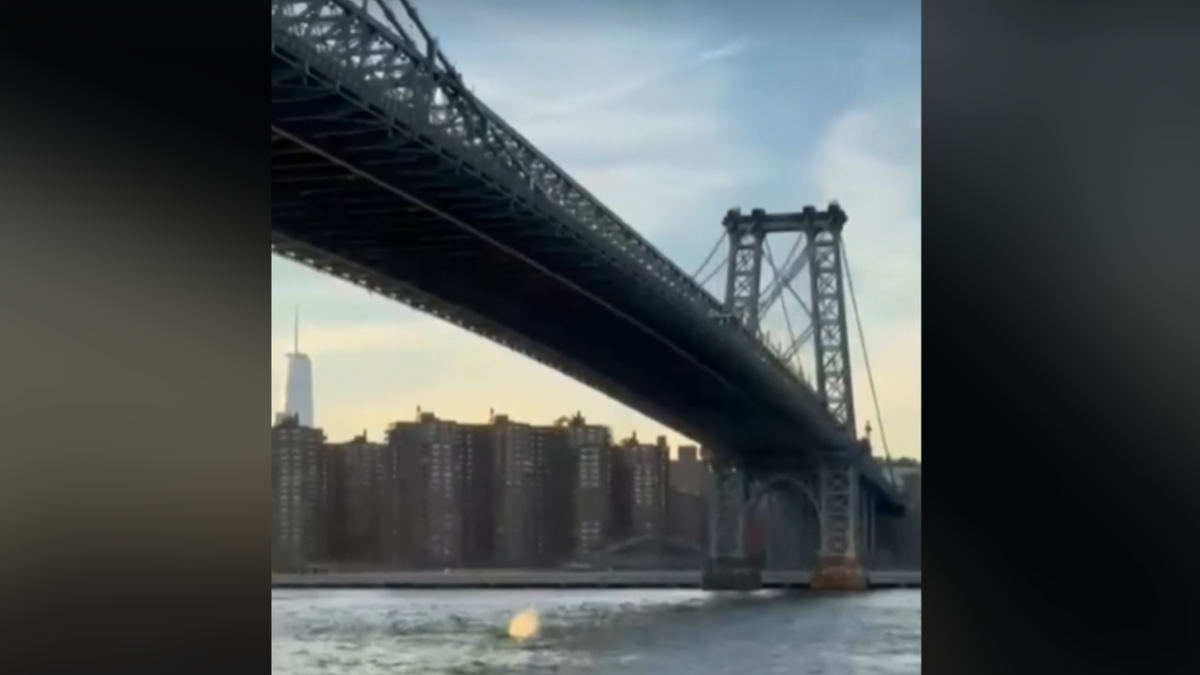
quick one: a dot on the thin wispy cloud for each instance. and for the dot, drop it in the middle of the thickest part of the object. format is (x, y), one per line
(610, 94)
(870, 160)
(723, 52)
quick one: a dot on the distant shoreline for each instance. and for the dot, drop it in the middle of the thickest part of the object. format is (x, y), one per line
(553, 579)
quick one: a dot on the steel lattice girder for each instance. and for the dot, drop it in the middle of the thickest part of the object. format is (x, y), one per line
(458, 316)
(387, 71)
(388, 82)
(384, 69)
(378, 249)
(830, 327)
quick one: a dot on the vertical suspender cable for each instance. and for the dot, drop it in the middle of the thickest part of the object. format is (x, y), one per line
(862, 340)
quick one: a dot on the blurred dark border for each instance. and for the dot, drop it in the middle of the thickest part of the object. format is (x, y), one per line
(133, 476)
(1060, 353)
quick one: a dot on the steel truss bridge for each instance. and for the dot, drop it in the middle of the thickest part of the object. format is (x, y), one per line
(387, 172)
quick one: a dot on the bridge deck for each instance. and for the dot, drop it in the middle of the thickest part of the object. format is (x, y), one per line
(373, 182)
(402, 214)
(504, 579)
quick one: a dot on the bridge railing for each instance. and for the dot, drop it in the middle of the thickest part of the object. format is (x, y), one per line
(410, 80)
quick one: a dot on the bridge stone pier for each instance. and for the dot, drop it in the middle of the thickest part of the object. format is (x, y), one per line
(839, 567)
(727, 567)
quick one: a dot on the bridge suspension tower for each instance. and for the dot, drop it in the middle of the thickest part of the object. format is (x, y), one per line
(825, 522)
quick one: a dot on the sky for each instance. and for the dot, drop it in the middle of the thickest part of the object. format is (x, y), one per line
(671, 113)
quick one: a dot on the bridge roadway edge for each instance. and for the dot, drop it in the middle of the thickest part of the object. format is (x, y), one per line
(611, 392)
(578, 580)
(868, 477)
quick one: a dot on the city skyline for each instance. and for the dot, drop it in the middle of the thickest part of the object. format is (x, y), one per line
(438, 494)
(678, 147)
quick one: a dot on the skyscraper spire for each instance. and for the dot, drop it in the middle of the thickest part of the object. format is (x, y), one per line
(298, 387)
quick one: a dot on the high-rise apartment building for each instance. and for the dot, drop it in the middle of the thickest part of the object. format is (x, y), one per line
(589, 476)
(555, 497)
(424, 474)
(479, 489)
(688, 508)
(299, 495)
(649, 466)
(621, 490)
(516, 480)
(518, 502)
(689, 473)
(398, 480)
(355, 479)
(452, 495)
(298, 384)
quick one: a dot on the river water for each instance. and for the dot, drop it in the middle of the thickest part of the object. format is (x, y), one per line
(594, 632)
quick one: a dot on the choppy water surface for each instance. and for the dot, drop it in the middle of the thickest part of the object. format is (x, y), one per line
(594, 632)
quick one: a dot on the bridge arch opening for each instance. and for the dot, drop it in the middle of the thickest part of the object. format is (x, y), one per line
(650, 552)
(781, 525)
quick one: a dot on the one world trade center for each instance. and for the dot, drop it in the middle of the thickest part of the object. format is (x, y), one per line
(298, 383)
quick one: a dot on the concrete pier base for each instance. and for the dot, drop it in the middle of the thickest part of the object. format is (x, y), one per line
(839, 575)
(729, 574)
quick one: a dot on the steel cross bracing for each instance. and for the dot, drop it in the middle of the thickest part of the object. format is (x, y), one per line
(393, 77)
(829, 322)
(745, 274)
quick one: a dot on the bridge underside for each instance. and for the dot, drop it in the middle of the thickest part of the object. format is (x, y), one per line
(392, 202)
(397, 216)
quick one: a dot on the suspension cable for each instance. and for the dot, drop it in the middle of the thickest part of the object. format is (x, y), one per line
(793, 253)
(711, 254)
(787, 317)
(787, 262)
(716, 270)
(862, 339)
